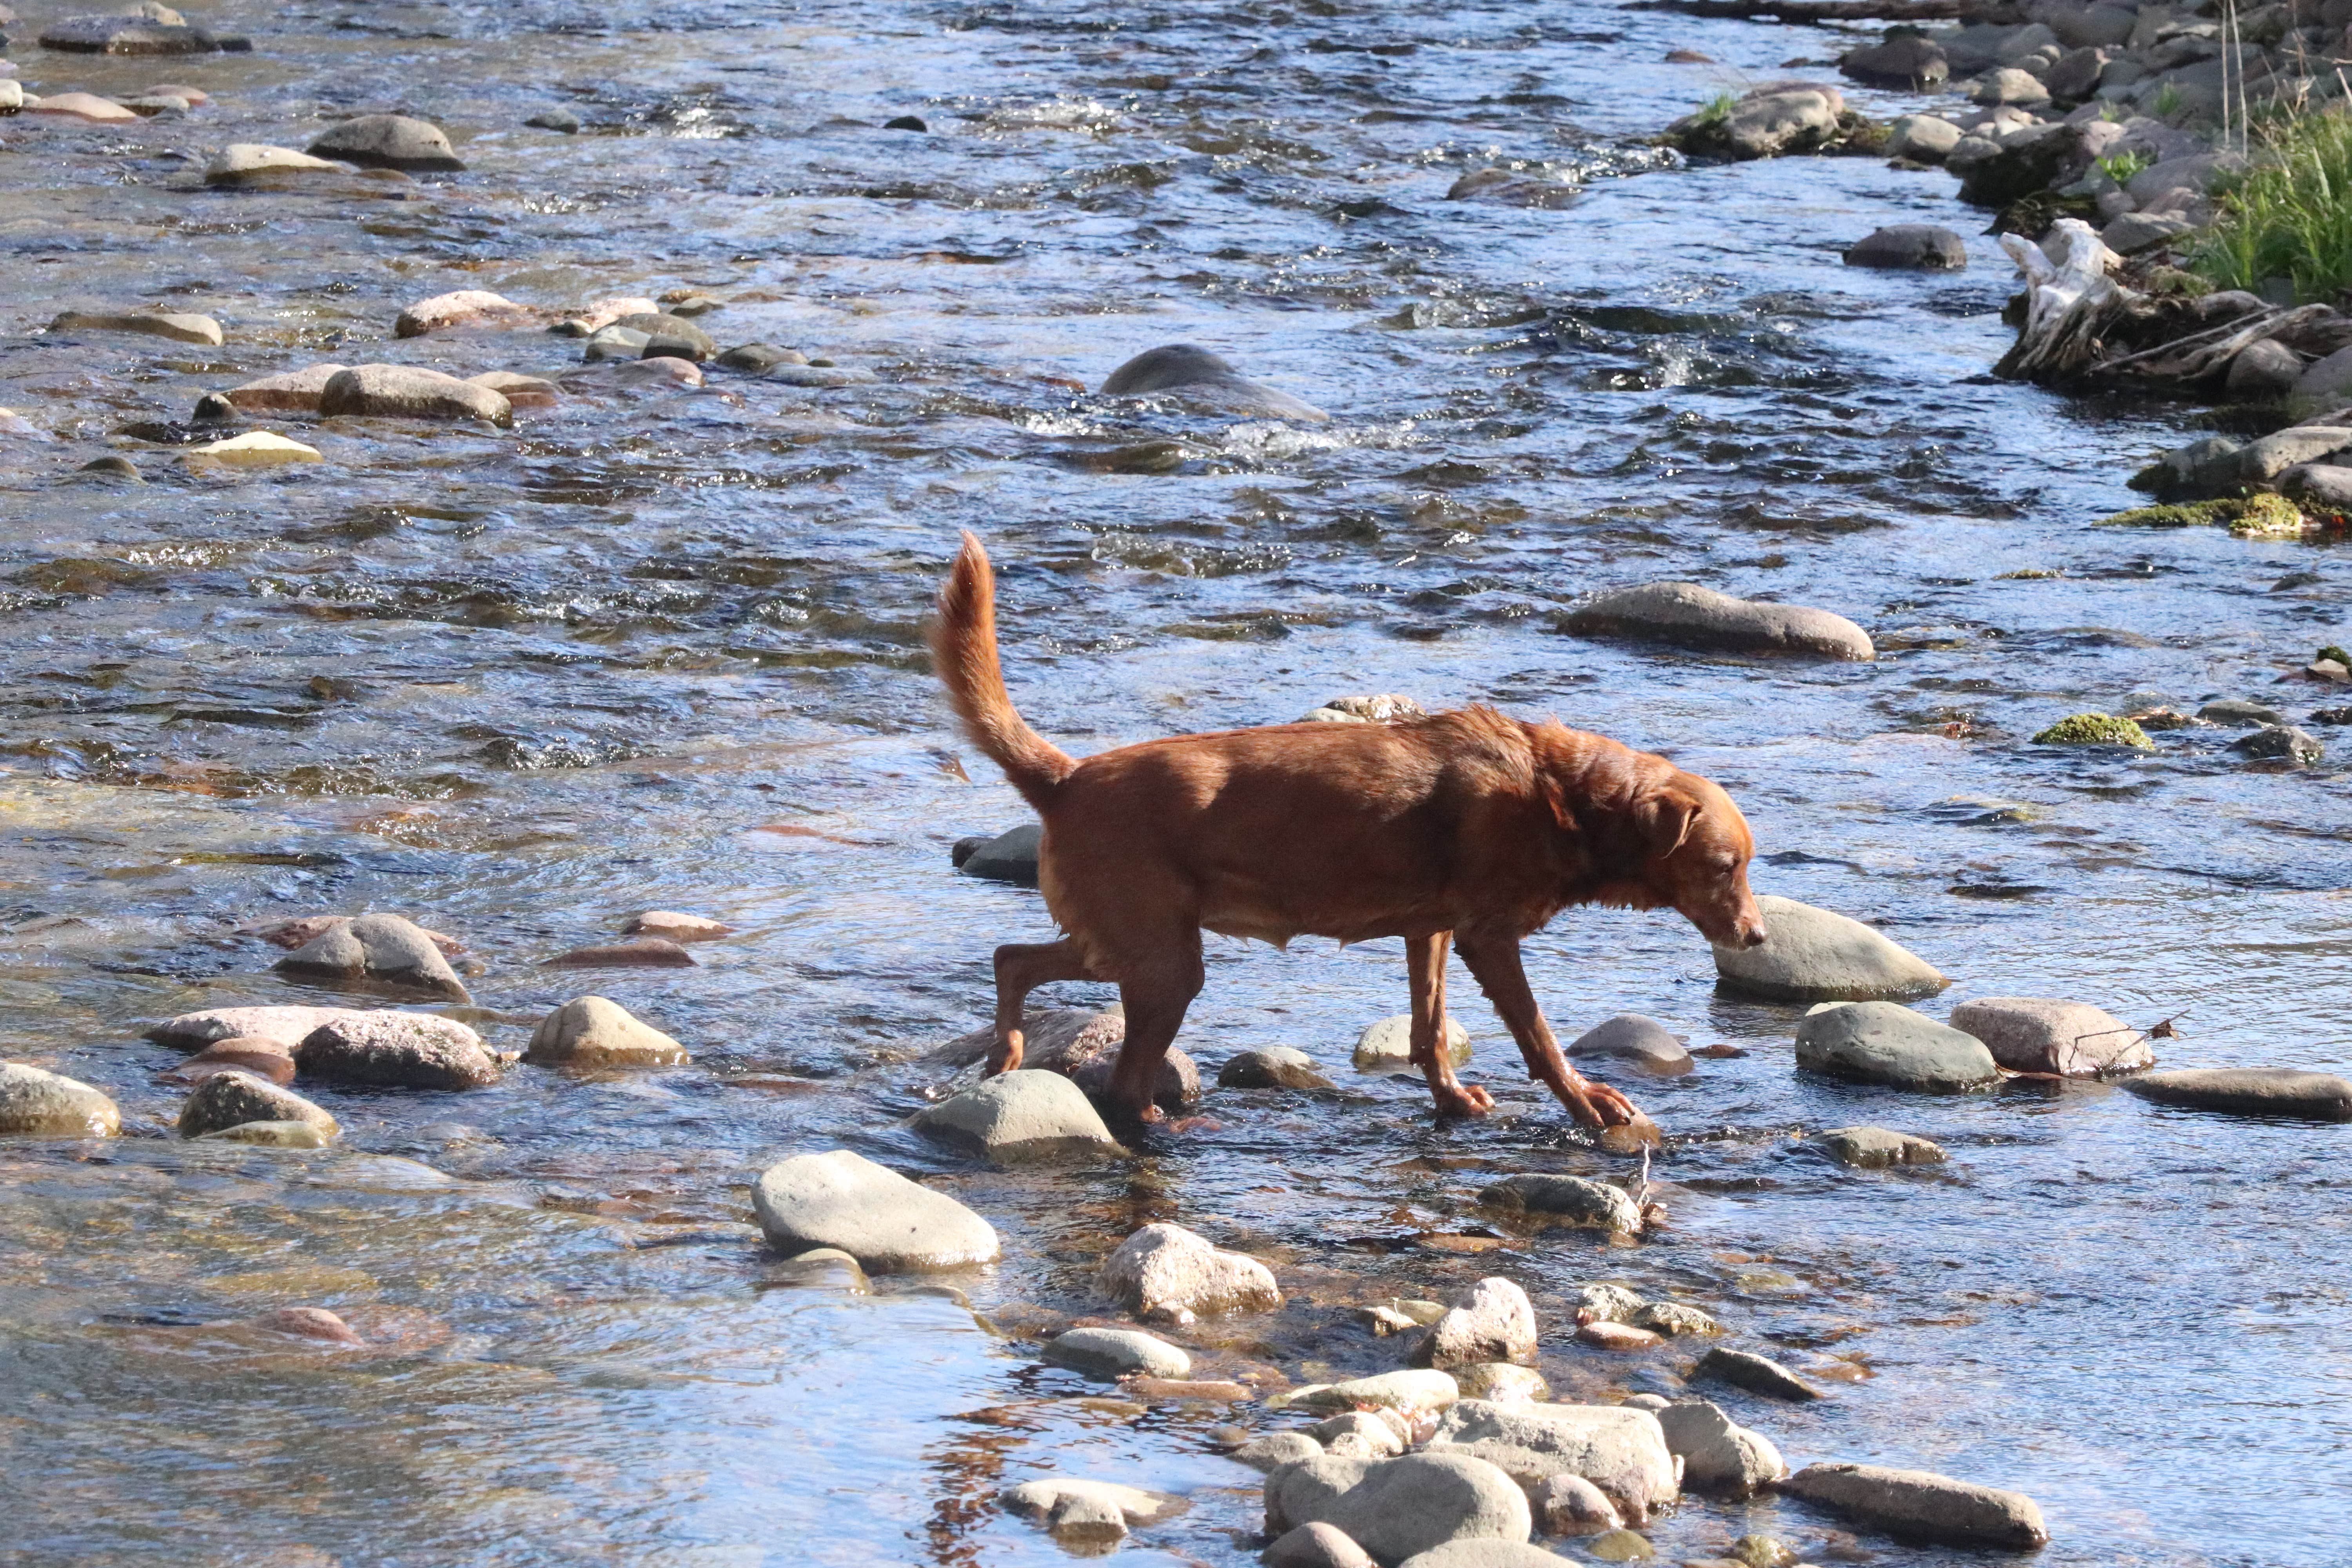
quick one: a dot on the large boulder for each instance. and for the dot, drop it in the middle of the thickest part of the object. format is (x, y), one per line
(1618, 1449)
(1923, 1505)
(1564, 1200)
(1629, 1038)
(37, 1103)
(591, 1032)
(1493, 1321)
(876, 1216)
(410, 392)
(2073, 1040)
(1198, 376)
(1885, 1042)
(387, 142)
(1782, 117)
(1815, 956)
(1164, 1272)
(2250, 1091)
(1396, 1508)
(397, 1050)
(1116, 1352)
(233, 1099)
(1923, 245)
(1025, 1115)
(377, 950)
(1718, 1455)
(1687, 616)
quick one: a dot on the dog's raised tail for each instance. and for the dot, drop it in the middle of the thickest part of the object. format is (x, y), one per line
(963, 651)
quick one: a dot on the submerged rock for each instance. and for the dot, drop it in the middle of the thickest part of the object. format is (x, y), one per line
(1028, 1115)
(1009, 856)
(591, 1032)
(1875, 1148)
(1565, 1200)
(2250, 1091)
(228, 1099)
(645, 953)
(380, 948)
(1631, 1038)
(1276, 1067)
(675, 926)
(1718, 1455)
(1086, 1510)
(387, 142)
(462, 307)
(1923, 1505)
(1115, 1352)
(258, 449)
(1687, 616)
(1756, 1373)
(1815, 956)
(292, 392)
(255, 162)
(398, 1050)
(1910, 244)
(2032, 1034)
(1396, 1508)
(2283, 741)
(874, 1215)
(1620, 1451)
(273, 1135)
(1204, 376)
(409, 392)
(1884, 1042)
(179, 326)
(1164, 1272)
(37, 1103)
(1387, 1045)
(1493, 1321)
(1765, 122)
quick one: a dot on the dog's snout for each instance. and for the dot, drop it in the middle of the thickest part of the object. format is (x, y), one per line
(1750, 930)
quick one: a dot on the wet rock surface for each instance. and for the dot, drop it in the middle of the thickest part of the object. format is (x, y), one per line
(1565, 1200)
(1166, 1273)
(1620, 1451)
(397, 1050)
(1921, 1504)
(37, 1103)
(1886, 1043)
(384, 950)
(1817, 955)
(874, 1215)
(1025, 1115)
(1756, 1373)
(1688, 615)
(1396, 1508)
(2250, 1091)
(1875, 1148)
(1629, 1038)
(594, 1032)
(227, 1100)
(2072, 1040)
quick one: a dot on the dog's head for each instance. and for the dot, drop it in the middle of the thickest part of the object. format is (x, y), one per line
(1696, 848)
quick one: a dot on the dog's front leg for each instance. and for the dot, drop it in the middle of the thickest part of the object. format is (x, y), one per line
(1424, 958)
(1494, 962)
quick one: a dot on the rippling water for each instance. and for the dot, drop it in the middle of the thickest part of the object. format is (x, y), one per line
(520, 685)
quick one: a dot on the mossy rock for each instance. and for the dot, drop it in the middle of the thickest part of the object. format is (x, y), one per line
(2031, 215)
(2095, 729)
(1858, 136)
(2337, 654)
(2248, 516)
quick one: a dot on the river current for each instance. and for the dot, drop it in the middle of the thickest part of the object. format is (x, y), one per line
(519, 685)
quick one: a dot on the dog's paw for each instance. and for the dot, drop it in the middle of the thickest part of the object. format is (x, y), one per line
(1463, 1099)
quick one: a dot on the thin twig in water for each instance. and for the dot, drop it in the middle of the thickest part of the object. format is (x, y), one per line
(1642, 1199)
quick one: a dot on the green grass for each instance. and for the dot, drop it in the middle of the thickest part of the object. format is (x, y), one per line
(2124, 165)
(2166, 102)
(1718, 110)
(2291, 215)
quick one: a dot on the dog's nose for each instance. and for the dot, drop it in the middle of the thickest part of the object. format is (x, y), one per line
(1751, 930)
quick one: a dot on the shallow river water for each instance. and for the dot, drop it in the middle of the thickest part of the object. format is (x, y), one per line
(519, 685)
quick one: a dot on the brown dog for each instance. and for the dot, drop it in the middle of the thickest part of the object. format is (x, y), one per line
(1468, 828)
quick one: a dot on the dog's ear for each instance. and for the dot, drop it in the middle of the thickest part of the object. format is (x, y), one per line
(1668, 814)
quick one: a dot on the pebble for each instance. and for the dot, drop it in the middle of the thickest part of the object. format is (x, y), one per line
(2034, 1034)
(255, 163)
(1622, 1451)
(1566, 1200)
(1875, 1148)
(1396, 1508)
(877, 1217)
(1570, 1505)
(2250, 1091)
(1756, 1373)
(396, 1049)
(258, 450)
(1028, 1115)
(1318, 1545)
(1009, 856)
(1204, 376)
(1718, 1455)
(1491, 1320)
(463, 307)
(378, 949)
(1166, 1273)
(37, 1103)
(1631, 1038)
(648, 953)
(387, 142)
(593, 1032)
(1387, 1045)
(1923, 1505)
(1910, 244)
(409, 392)
(1276, 1067)
(83, 106)
(1116, 1353)
(677, 927)
(1814, 955)
(178, 326)
(519, 391)
(227, 1100)
(1688, 615)
(290, 392)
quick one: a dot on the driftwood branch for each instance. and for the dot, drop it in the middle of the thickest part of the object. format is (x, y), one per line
(1803, 11)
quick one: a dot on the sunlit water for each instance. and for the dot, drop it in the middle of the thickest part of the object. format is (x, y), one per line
(574, 671)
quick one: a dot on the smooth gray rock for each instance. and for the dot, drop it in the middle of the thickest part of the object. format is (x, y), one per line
(1198, 373)
(1397, 1508)
(1922, 245)
(1876, 1148)
(1276, 1067)
(255, 162)
(2260, 462)
(614, 341)
(1116, 1353)
(1317, 1545)
(1486, 1555)
(37, 1103)
(2133, 233)
(1088, 1509)
(2241, 714)
(2283, 741)
(1923, 138)
(1380, 1434)
(1028, 1115)
(409, 392)
(1009, 856)
(2009, 84)
(561, 121)
(1565, 1200)
(1623, 1451)
(1922, 1505)
(1756, 1373)
(2203, 468)
(670, 337)
(1815, 956)
(2319, 487)
(2250, 1091)
(134, 33)
(1718, 1455)
(2261, 372)
(1415, 1389)
(593, 1032)
(1675, 1319)
(819, 376)
(233, 1099)
(1767, 122)
(1687, 616)
(398, 1050)
(1885, 1042)
(758, 358)
(387, 142)
(1907, 60)
(1164, 1272)
(1082, 1044)
(273, 1135)
(1272, 1451)
(1491, 1320)
(1631, 1038)
(874, 1215)
(1564, 1504)
(2325, 382)
(1387, 1045)
(2034, 1034)
(379, 949)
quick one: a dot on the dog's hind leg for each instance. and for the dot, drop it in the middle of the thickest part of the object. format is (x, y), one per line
(1021, 968)
(1494, 962)
(1424, 960)
(1155, 994)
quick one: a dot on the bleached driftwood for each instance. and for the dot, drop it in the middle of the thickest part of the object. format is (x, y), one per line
(2070, 302)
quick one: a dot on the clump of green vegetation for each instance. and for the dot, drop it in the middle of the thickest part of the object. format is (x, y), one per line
(2122, 166)
(2095, 729)
(2250, 517)
(1716, 109)
(2291, 214)
(2166, 102)
(2337, 654)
